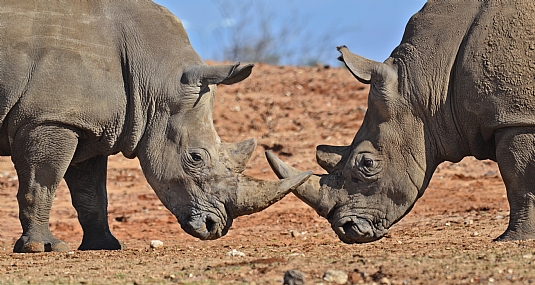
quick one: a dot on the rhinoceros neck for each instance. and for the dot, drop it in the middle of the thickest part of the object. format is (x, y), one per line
(154, 49)
(426, 60)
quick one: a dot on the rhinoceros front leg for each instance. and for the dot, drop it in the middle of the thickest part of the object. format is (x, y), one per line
(515, 154)
(41, 155)
(87, 183)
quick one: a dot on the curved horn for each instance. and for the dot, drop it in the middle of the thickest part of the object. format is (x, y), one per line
(255, 195)
(236, 155)
(319, 192)
(365, 69)
(332, 158)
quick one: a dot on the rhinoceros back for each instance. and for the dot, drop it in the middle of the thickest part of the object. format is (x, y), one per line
(58, 62)
(478, 57)
(88, 65)
(429, 48)
(497, 71)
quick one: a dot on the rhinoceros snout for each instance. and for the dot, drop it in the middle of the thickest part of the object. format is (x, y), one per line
(355, 230)
(206, 226)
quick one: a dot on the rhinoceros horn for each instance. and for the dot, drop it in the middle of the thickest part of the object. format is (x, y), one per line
(332, 158)
(255, 195)
(321, 193)
(237, 155)
(366, 70)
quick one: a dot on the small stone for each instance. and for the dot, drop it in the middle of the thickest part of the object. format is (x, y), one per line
(156, 243)
(475, 234)
(354, 277)
(295, 234)
(527, 256)
(384, 281)
(294, 277)
(234, 252)
(335, 276)
(171, 276)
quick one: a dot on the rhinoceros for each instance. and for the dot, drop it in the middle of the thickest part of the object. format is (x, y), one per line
(461, 83)
(83, 80)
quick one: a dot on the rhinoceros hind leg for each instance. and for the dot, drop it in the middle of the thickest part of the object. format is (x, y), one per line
(87, 184)
(515, 154)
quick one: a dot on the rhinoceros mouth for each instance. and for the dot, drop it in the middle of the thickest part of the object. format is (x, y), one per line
(206, 225)
(354, 229)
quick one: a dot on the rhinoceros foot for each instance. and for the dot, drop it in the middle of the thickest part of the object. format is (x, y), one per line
(26, 244)
(516, 234)
(103, 241)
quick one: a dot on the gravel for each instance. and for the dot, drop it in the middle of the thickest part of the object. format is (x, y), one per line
(335, 276)
(294, 277)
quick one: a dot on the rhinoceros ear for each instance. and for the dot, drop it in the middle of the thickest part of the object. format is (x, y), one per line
(332, 158)
(365, 69)
(238, 73)
(218, 74)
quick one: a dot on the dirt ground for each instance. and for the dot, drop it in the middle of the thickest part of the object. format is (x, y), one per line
(446, 239)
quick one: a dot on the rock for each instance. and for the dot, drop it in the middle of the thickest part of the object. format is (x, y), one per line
(156, 243)
(234, 252)
(355, 277)
(294, 277)
(384, 281)
(335, 276)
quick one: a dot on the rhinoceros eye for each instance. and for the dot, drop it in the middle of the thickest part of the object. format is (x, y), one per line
(367, 162)
(368, 167)
(195, 157)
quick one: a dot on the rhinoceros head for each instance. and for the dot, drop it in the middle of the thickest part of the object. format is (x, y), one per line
(375, 181)
(195, 175)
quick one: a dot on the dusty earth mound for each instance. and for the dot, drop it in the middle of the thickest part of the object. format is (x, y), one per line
(446, 239)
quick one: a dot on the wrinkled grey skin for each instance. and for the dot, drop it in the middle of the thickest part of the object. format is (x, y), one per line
(461, 83)
(83, 80)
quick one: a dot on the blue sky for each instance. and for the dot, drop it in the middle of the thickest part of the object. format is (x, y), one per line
(371, 28)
